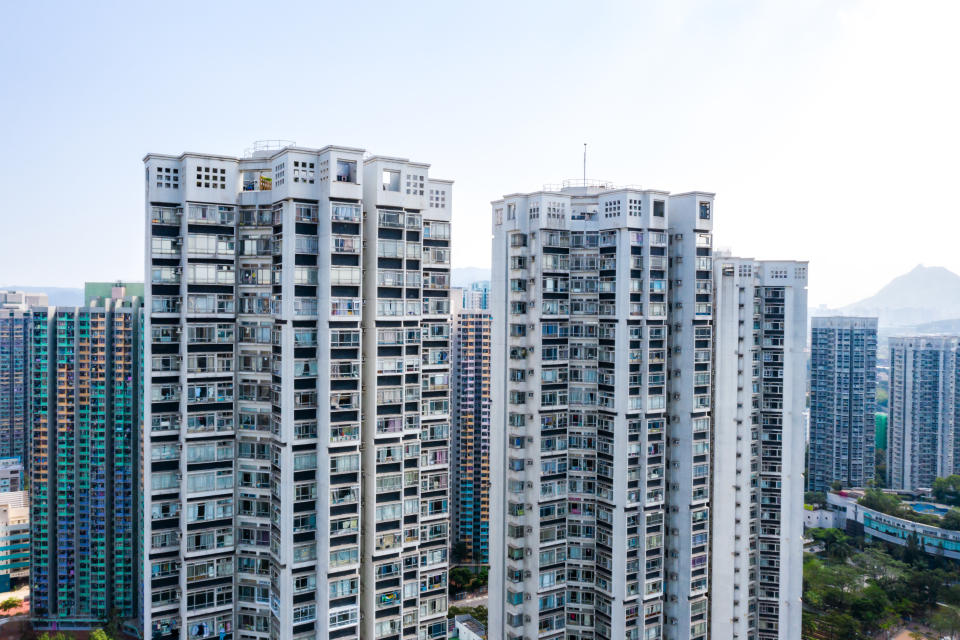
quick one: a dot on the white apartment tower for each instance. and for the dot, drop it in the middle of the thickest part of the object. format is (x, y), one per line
(602, 300)
(296, 396)
(758, 448)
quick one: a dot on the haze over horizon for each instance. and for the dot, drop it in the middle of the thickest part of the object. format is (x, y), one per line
(827, 129)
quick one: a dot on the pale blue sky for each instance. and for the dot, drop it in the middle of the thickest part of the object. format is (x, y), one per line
(829, 129)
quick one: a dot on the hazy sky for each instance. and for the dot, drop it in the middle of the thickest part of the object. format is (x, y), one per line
(828, 129)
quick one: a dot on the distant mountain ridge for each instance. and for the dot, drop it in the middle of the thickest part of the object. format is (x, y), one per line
(923, 296)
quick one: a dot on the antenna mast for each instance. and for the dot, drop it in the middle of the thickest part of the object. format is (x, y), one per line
(584, 163)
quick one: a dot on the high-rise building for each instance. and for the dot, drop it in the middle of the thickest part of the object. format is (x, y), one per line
(611, 365)
(922, 439)
(471, 433)
(14, 366)
(477, 296)
(84, 498)
(298, 396)
(758, 448)
(843, 380)
(601, 421)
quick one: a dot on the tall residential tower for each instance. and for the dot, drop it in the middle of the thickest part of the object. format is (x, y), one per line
(601, 422)
(84, 493)
(14, 370)
(620, 374)
(471, 432)
(843, 380)
(298, 407)
(922, 438)
(758, 446)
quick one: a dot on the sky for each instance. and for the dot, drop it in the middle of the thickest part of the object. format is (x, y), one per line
(827, 128)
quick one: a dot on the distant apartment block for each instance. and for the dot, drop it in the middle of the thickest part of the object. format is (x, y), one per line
(14, 367)
(758, 448)
(118, 289)
(14, 539)
(21, 300)
(843, 379)
(297, 414)
(471, 432)
(477, 295)
(924, 412)
(84, 489)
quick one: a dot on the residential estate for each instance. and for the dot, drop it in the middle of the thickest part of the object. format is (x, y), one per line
(616, 381)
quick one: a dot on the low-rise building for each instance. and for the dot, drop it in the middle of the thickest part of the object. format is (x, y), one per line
(14, 538)
(469, 628)
(11, 474)
(818, 518)
(876, 525)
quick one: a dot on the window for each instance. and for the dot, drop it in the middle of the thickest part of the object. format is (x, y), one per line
(303, 171)
(168, 178)
(390, 180)
(211, 178)
(346, 171)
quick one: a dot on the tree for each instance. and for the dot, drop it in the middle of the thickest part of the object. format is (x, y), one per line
(10, 604)
(951, 520)
(479, 613)
(460, 579)
(947, 489)
(946, 621)
(99, 634)
(56, 635)
(836, 543)
(817, 498)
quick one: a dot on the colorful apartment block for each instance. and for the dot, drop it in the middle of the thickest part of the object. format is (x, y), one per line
(84, 383)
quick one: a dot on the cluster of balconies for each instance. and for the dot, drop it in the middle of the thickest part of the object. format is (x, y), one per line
(409, 548)
(575, 368)
(221, 277)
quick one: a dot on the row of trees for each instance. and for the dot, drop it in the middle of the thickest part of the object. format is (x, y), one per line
(853, 591)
